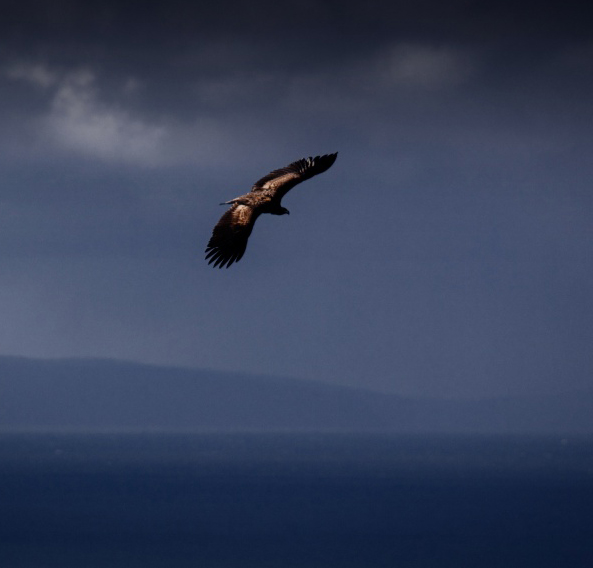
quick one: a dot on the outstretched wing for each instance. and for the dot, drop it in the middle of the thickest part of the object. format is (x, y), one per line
(229, 237)
(281, 181)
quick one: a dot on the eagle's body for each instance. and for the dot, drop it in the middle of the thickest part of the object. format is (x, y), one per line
(230, 235)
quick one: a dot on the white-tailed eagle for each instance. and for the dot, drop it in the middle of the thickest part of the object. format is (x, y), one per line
(230, 235)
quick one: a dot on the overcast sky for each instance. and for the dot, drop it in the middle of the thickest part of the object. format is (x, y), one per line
(448, 252)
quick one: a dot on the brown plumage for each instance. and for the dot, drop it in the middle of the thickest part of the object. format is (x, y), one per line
(230, 235)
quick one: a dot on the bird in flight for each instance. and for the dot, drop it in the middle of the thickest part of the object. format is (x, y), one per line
(229, 237)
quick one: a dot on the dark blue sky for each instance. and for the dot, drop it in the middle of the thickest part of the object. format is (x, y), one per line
(448, 252)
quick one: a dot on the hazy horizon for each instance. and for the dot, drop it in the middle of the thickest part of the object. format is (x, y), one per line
(99, 395)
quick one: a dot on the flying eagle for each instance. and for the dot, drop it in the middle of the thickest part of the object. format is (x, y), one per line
(230, 235)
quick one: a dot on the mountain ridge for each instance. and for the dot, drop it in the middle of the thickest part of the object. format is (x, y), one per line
(91, 394)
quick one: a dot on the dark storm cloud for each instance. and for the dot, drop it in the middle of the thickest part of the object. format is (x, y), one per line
(273, 18)
(445, 253)
(168, 41)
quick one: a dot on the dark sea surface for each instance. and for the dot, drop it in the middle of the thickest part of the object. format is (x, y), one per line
(303, 500)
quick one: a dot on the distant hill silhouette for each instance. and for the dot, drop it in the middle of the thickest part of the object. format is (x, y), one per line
(99, 395)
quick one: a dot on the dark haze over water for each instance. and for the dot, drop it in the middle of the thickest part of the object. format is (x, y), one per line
(247, 500)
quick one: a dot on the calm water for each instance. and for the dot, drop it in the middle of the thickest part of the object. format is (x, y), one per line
(295, 501)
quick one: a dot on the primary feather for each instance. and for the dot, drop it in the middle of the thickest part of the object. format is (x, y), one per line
(230, 235)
